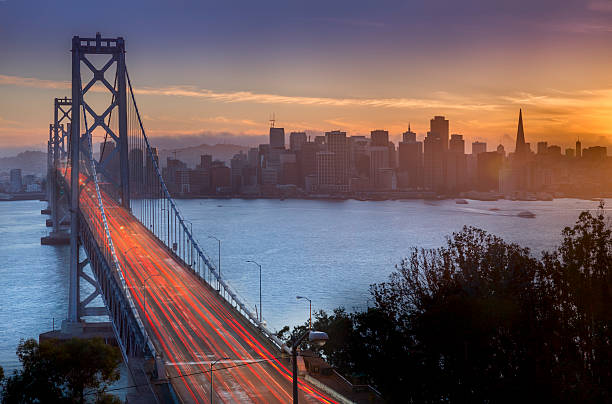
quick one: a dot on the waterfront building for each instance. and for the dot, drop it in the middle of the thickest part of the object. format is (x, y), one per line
(16, 184)
(438, 128)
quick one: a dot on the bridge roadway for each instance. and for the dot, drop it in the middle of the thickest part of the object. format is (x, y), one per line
(191, 325)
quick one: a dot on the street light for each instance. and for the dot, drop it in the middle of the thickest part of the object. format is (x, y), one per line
(219, 256)
(211, 376)
(316, 337)
(310, 304)
(260, 310)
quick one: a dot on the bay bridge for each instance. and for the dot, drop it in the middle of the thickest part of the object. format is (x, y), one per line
(172, 314)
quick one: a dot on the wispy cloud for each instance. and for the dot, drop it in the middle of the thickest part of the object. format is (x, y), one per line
(442, 101)
(600, 5)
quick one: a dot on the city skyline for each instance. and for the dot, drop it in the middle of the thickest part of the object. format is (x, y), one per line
(354, 67)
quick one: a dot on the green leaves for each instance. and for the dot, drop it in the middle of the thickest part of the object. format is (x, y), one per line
(62, 371)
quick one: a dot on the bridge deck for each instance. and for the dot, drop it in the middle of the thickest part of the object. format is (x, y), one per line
(192, 326)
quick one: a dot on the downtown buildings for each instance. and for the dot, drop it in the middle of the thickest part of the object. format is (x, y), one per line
(338, 164)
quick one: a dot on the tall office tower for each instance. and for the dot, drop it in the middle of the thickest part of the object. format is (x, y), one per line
(521, 148)
(479, 147)
(578, 148)
(296, 140)
(16, 184)
(489, 166)
(336, 142)
(542, 147)
(433, 162)
(136, 163)
(438, 128)
(409, 136)
(307, 161)
(379, 138)
(277, 138)
(150, 167)
(379, 162)
(238, 165)
(319, 139)
(457, 144)
(410, 164)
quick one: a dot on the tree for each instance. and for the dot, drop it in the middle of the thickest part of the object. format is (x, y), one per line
(63, 371)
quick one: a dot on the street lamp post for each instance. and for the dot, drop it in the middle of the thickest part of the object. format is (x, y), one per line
(211, 377)
(260, 310)
(219, 255)
(316, 337)
(310, 305)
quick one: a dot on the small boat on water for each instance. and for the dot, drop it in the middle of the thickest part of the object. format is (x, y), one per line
(461, 202)
(526, 214)
(494, 209)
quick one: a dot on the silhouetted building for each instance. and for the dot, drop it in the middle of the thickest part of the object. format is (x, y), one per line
(521, 148)
(578, 148)
(220, 177)
(438, 129)
(410, 172)
(457, 144)
(379, 138)
(478, 147)
(409, 136)
(296, 140)
(542, 148)
(489, 165)
(16, 184)
(277, 138)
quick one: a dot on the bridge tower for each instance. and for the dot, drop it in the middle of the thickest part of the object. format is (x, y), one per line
(80, 139)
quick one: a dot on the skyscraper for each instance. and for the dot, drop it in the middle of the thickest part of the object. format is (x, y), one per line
(521, 147)
(296, 140)
(409, 136)
(478, 147)
(277, 138)
(438, 128)
(379, 138)
(457, 144)
(578, 148)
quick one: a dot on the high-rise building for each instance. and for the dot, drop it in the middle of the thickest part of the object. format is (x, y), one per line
(409, 136)
(410, 171)
(542, 148)
(136, 163)
(336, 142)
(578, 148)
(16, 184)
(489, 166)
(307, 161)
(438, 129)
(277, 138)
(521, 148)
(457, 144)
(296, 140)
(379, 138)
(379, 162)
(478, 147)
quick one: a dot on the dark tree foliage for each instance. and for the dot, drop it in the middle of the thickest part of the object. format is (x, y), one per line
(63, 372)
(480, 320)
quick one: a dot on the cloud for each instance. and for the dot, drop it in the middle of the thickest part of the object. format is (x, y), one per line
(442, 101)
(600, 5)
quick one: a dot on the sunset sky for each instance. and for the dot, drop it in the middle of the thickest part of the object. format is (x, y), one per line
(216, 71)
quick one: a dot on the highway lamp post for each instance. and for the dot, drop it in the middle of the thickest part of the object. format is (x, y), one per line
(218, 259)
(211, 376)
(260, 310)
(315, 337)
(310, 305)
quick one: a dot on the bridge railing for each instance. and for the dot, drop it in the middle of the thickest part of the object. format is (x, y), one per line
(153, 205)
